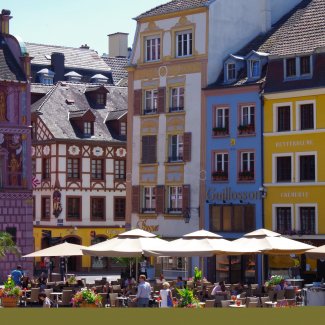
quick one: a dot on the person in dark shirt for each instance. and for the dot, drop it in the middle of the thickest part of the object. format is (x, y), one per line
(42, 281)
(17, 275)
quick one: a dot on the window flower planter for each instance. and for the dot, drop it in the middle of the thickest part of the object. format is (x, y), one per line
(246, 176)
(220, 176)
(246, 129)
(220, 131)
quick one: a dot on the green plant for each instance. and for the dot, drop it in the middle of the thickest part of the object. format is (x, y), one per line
(274, 280)
(197, 274)
(10, 289)
(87, 296)
(72, 280)
(219, 129)
(7, 245)
(187, 298)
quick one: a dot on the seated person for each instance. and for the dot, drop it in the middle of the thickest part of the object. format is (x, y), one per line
(41, 281)
(219, 288)
(129, 281)
(279, 286)
(161, 279)
(44, 300)
(179, 283)
(288, 285)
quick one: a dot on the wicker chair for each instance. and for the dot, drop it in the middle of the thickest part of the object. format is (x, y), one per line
(209, 303)
(66, 298)
(112, 299)
(263, 301)
(225, 303)
(33, 295)
(252, 304)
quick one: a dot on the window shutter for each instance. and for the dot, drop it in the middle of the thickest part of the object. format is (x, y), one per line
(187, 146)
(161, 100)
(160, 199)
(136, 199)
(186, 192)
(149, 150)
(137, 102)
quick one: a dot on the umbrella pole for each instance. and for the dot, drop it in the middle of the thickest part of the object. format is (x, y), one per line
(136, 269)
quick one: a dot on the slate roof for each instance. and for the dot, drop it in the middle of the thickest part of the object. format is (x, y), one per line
(117, 64)
(174, 6)
(80, 58)
(40, 88)
(300, 31)
(115, 115)
(55, 109)
(9, 67)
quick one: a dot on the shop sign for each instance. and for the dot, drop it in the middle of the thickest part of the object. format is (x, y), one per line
(294, 194)
(228, 194)
(142, 224)
(287, 144)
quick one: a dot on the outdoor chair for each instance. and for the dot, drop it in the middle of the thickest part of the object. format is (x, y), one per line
(271, 295)
(251, 299)
(252, 304)
(225, 303)
(242, 295)
(48, 292)
(116, 288)
(257, 292)
(112, 299)
(209, 303)
(289, 293)
(264, 300)
(218, 299)
(33, 295)
(99, 288)
(114, 283)
(66, 298)
(50, 284)
(280, 295)
(209, 290)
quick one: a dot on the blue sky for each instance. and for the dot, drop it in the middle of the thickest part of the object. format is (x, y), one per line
(75, 22)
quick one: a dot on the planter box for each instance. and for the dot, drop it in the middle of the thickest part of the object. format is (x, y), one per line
(9, 301)
(86, 305)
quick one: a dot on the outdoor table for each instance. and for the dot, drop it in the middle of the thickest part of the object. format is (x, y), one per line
(271, 303)
(296, 281)
(122, 301)
(56, 295)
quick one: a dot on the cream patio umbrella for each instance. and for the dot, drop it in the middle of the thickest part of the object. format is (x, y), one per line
(62, 250)
(317, 253)
(133, 243)
(199, 243)
(267, 242)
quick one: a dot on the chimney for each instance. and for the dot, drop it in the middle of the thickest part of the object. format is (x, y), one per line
(57, 62)
(86, 47)
(4, 21)
(118, 45)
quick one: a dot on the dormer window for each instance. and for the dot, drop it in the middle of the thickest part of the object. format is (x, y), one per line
(99, 78)
(46, 76)
(254, 68)
(298, 67)
(305, 66)
(73, 76)
(101, 98)
(231, 71)
(291, 67)
(88, 129)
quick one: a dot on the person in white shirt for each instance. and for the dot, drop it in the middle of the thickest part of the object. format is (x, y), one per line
(220, 287)
(166, 296)
(161, 279)
(45, 300)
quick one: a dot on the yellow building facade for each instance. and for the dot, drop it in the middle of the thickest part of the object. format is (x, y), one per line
(294, 137)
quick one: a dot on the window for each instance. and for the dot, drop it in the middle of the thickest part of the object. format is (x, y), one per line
(176, 99)
(88, 126)
(119, 208)
(254, 68)
(151, 101)
(175, 199)
(247, 166)
(149, 151)
(123, 128)
(73, 208)
(46, 168)
(34, 207)
(307, 168)
(2, 171)
(152, 50)
(247, 120)
(46, 208)
(221, 166)
(291, 67)
(232, 218)
(33, 135)
(176, 148)
(120, 169)
(183, 44)
(222, 121)
(283, 220)
(231, 71)
(33, 166)
(101, 98)
(284, 169)
(149, 199)
(98, 209)
(307, 220)
(305, 65)
(74, 168)
(13, 232)
(307, 117)
(97, 171)
(284, 118)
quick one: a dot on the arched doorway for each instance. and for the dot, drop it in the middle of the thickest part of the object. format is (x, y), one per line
(74, 262)
(99, 263)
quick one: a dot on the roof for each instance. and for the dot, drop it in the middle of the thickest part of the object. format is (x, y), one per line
(55, 110)
(174, 6)
(80, 58)
(115, 115)
(9, 67)
(302, 30)
(40, 88)
(117, 65)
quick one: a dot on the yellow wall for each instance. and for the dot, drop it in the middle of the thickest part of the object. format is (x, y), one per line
(83, 233)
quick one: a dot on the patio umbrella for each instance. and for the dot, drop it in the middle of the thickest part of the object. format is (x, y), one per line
(317, 253)
(62, 250)
(199, 243)
(267, 242)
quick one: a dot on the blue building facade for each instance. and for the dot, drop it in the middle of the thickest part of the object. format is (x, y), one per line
(234, 182)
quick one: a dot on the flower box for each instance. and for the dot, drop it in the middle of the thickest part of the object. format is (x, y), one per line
(87, 305)
(220, 176)
(246, 175)
(220, 131)
(246, 129)
(9, 301)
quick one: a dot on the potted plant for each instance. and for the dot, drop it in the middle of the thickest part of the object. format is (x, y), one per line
(246, 175)
(197, 276)
(72, 280)
(273, 281)
(218, 130)
(220, 175)
(187, 298)
(10, 293)
(86, 298)
(246, 128)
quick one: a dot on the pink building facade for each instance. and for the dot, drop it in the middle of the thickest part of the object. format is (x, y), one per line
(16, 203)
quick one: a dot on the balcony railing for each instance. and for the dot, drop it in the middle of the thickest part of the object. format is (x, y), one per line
(148, 210)
(174, 210)
(148, 111)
